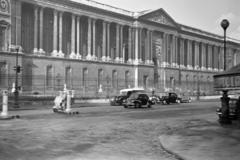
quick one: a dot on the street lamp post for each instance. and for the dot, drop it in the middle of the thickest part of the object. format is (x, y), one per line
(17, 70)
(224, 25)
(225, 99)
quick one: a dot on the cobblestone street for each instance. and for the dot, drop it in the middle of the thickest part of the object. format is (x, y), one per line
(106, 132)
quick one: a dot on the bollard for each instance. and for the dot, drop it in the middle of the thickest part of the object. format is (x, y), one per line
(4, 112)
(68, 108)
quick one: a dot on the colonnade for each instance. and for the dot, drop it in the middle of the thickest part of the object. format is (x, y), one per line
(191, 54)
(122, 50)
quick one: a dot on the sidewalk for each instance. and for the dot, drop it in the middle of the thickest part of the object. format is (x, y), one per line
(203, 141)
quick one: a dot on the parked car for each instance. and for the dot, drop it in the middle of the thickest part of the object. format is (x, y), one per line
(170, 97)
(124, 94)
(154, 99)
(185, 98)
(137, 100)
(117, 100)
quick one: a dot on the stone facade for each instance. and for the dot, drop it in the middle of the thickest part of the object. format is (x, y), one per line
(89, 46)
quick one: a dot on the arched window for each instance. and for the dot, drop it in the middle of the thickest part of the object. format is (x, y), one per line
(114, 79)
(49, 76)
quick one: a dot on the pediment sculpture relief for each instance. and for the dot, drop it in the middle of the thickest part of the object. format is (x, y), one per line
(4, 6)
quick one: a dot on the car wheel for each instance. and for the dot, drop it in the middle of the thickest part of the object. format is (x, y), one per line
(164, 102)
(149, 105)
(125, 106)
(137, 105)
(178, 101)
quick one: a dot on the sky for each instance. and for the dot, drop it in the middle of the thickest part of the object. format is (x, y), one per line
(202, 14)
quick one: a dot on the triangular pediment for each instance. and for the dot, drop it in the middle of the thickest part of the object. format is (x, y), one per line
(159, 16)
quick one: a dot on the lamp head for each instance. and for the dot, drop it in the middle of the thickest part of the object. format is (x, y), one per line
(225, 24)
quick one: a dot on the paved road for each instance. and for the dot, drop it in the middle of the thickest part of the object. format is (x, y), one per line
(106, 132)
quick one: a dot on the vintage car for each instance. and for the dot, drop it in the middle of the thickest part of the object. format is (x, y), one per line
(137, 100)
(170, 97)
(155, 99)
(124, 94)
(185, 98)
(117, 100)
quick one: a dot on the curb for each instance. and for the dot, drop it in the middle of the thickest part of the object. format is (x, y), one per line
(175, 155)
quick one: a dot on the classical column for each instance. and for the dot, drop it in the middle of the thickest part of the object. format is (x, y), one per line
(181, 53)
(121, 44)
(147, 43)
(104, 42)
(215, 58)
(41, 51)
(89, 44)
(203, 56)
(209, 57)
(150, 47)
(173, 51)
(35, 50)
(129, 45)
(221, 58)
(164, 50)
(136, 62)
(73, 55)
(189, 48)
(196, 55)
(18, 30)
(108, 42)
(78, 56)
(176, 52)
(136, 46)
(94, 57)
(60, 53)
(117, 42)
(55, 28)
(140, 45)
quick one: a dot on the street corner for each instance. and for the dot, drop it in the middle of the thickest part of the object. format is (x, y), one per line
(197, 140)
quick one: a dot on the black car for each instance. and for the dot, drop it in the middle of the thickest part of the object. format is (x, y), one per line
(171, 97)
(138, 100)
(118, 100)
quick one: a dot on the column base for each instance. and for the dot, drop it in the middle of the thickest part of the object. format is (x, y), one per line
(103, 58)
(108, 58)
(136, 62)
(35, 51)
(182, 66)
(60, 54)
(121, 60)
(41, 51)
(94, 58)
(89, 57)
(78, 56)
(209, 69)
(190, 67)
(117, 59)
(72, 55)
(54, 53)
(129, 61)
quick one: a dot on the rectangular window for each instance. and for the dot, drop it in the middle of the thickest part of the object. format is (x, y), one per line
(68, 79)
(49, 77)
